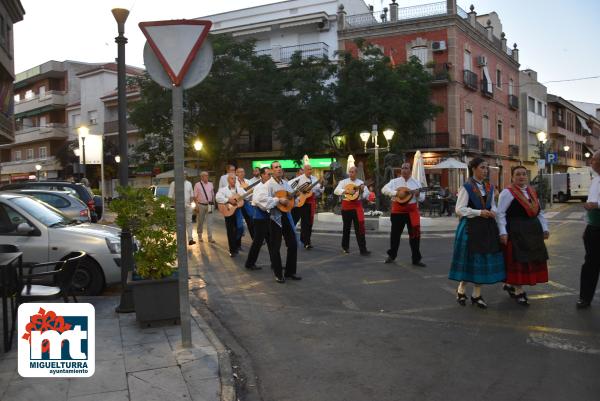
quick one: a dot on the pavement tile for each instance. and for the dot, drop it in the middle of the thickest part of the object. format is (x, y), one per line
(29, 389)
(8, 362)
(127, 319)
(103, 305)
(199, 369)
(184, 355)
(133, 335)
(148, 356)
(108, 326)
(205, 390)
(198, 337)
(6, 378)
(109, 376)
(110, 396)
(108, 347)
(158, 384)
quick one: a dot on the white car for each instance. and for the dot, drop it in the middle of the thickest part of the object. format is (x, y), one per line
(44, 234)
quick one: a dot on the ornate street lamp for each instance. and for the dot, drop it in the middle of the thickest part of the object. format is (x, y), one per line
(83, 133)
(38, 167)
(373, 135)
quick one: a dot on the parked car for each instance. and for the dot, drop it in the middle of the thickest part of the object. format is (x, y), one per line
(44, 234)
(80, 190)
(65, 201)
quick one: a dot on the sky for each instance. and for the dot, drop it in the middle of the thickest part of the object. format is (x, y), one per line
(557, 38)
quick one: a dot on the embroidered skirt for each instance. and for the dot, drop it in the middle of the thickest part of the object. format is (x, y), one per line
(478, 268)
(523, 273)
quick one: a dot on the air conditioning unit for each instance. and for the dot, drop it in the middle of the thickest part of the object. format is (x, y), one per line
(481, 61)
(438, 46)
(323, 25)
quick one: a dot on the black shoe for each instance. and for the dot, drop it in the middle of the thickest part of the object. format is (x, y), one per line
(309, 246)
(461, 299)
(522, 299)
(191, 242)
(582, 304)
(280, 280)
(479, 302)
(509, 289)
(389, 260)
(344, 250)
(419, 264)
(253, 267)
(365, 253)
(294, 277)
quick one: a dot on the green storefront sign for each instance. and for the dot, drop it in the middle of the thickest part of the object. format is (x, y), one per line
(291, 164)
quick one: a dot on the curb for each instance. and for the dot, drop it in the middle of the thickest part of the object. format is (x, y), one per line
(225, 369)
(325, 231)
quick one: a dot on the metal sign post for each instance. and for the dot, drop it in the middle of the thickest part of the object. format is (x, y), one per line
(177, 57)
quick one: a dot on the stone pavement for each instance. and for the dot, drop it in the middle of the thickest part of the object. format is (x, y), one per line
(133, 363)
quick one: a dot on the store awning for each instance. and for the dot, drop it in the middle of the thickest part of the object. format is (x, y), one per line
(584, 124)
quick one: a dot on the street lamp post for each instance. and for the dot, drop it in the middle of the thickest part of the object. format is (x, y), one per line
(374, 134)
(83, 132)
(38, 167)
(121, 14)
(198, 147)
(542, 138)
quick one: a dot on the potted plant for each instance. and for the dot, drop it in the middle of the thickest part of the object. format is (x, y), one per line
(154, 281)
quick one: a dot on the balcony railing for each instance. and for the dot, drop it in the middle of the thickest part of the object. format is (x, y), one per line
(487, 90)
(513, 102)
(487, 145)
(513, 150)
(404, 13)
(432, 140)
(113, 126)
(440, 73)
(284, 54)
(470, 141)
(558, 123)
(470, 79)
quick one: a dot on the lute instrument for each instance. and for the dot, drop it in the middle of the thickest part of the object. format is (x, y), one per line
(404, 195)
(352, 191)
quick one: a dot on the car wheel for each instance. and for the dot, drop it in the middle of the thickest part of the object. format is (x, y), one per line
(562, 197)
(88, 278)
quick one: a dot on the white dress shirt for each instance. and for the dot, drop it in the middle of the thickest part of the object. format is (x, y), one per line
(188, 192)
(223, 194)
(390, 189)
(341, 187)
(504, 201)
(223, 181)
(303, 179)
(462, 203)
(594, 194)
(264, 197)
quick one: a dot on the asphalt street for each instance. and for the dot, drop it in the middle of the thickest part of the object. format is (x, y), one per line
(356, 329)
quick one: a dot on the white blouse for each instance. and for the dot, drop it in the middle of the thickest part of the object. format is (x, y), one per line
(462, 203)
(506, 198)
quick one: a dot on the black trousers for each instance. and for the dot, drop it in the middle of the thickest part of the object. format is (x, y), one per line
(275, 234)
(249, 222)
(232, 237)
(445, 207)
(350, 217)
(302, 214)
(261, 232)
(591, 265)
(399, 221)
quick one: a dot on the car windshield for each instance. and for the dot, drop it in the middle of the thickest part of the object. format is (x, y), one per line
(42, 212)
(162, 191)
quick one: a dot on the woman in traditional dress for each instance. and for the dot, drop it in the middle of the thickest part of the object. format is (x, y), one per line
(477, 255)
(523, 229)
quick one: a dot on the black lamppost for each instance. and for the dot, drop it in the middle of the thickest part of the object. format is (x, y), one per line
(83, 132)
(373, 135)
(121, 14)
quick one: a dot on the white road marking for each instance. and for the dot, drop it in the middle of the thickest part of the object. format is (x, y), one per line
(556, 342)
(550, 215)
(575, 216)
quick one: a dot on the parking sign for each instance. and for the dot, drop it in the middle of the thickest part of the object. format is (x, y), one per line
(552, 158)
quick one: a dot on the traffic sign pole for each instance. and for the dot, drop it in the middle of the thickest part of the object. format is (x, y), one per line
(551, 185)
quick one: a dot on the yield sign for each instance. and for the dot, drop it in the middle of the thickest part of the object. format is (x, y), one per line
(176, 43)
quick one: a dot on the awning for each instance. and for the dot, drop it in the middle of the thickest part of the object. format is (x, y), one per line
(35, 112)
(490, 83)
(301, 22)
(251, 31)
(449, 163)
(587, 148)
(584, 124)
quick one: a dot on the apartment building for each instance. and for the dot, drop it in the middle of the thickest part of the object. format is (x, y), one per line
(534, 118)
(476, 79)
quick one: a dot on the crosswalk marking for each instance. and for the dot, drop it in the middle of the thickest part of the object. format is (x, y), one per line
(575, 216)
(550, 215)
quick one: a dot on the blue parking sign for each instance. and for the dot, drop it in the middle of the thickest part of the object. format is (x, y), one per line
(552, 158)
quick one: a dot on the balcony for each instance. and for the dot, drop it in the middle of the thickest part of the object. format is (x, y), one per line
(33, 134)
(432, 140)
(487, 145)
(283, 55)
(558, 123)
(470, 79)
(487, 90)
(470, 142)
(440, 73)
(513, 150)
(513, 102)
(38, 104)
(111, 127)
(404, 13)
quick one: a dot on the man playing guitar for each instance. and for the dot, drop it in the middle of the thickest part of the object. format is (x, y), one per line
(261, 221)
(306, 212)
(404, 191)
(281, 224)
(247, 209)
(354, 192)
(234, 223)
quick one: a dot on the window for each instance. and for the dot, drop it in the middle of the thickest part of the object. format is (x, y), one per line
(43, 121)
(499, 130)
(17, 98)
(539, 108)
(93, 117)
(53, 200)
(513, 135)
(545, 111)
(17, 155)
(9, 220)
(29, 94)
(468, 122)
(29, 153)
(511, 88)
(420, 52)
(75, 121)
(42, 91)
(486, 126)
(43, 152)
(468, 61)
(531, 104)
(499, 79)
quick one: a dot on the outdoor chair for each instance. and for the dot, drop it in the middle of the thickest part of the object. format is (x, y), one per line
(63, 280)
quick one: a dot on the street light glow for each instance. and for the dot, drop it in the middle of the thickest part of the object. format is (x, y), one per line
(118, 159)
(364, 136)
(566, 148)
(388, 134)
(38, 167)
(198, 145)
(587, 155)
(542, 137)
(83, 131)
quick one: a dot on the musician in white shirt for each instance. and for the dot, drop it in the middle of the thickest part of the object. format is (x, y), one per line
(261, 220)
(405, 214)
(247, 209)
(234, 223)
(305, 214)
(281, 224)
(352, 211)
(188, 193)
(223, 180)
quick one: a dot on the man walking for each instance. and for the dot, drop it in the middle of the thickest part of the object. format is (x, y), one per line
(591, 240)
(405, 212)
(188, 193)
(233, 224)
(306, 213)
(204, 193)
(247, 209)
(261, 220)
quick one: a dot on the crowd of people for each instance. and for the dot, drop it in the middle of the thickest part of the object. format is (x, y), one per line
(499, 238)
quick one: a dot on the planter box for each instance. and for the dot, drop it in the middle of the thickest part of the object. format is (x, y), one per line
(155, 300)
(371, 223)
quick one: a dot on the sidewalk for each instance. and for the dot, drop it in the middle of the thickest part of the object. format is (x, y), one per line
(332, 223)
(133, 363)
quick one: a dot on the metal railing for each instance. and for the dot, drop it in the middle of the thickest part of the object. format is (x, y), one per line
(284, 54)
(487, 145)
(404, 13)
(470, 141)
(440, 72)
(432, 140)
(513, 150)
(513, 102)
(470, 79)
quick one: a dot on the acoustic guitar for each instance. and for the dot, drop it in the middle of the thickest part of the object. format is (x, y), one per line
(403, 195)
(229, 208)
(307, 192)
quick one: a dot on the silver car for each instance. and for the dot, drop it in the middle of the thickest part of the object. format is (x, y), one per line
(44, 234)
(65, 201)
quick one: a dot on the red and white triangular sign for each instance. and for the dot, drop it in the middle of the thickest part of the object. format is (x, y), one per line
(176, 43)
